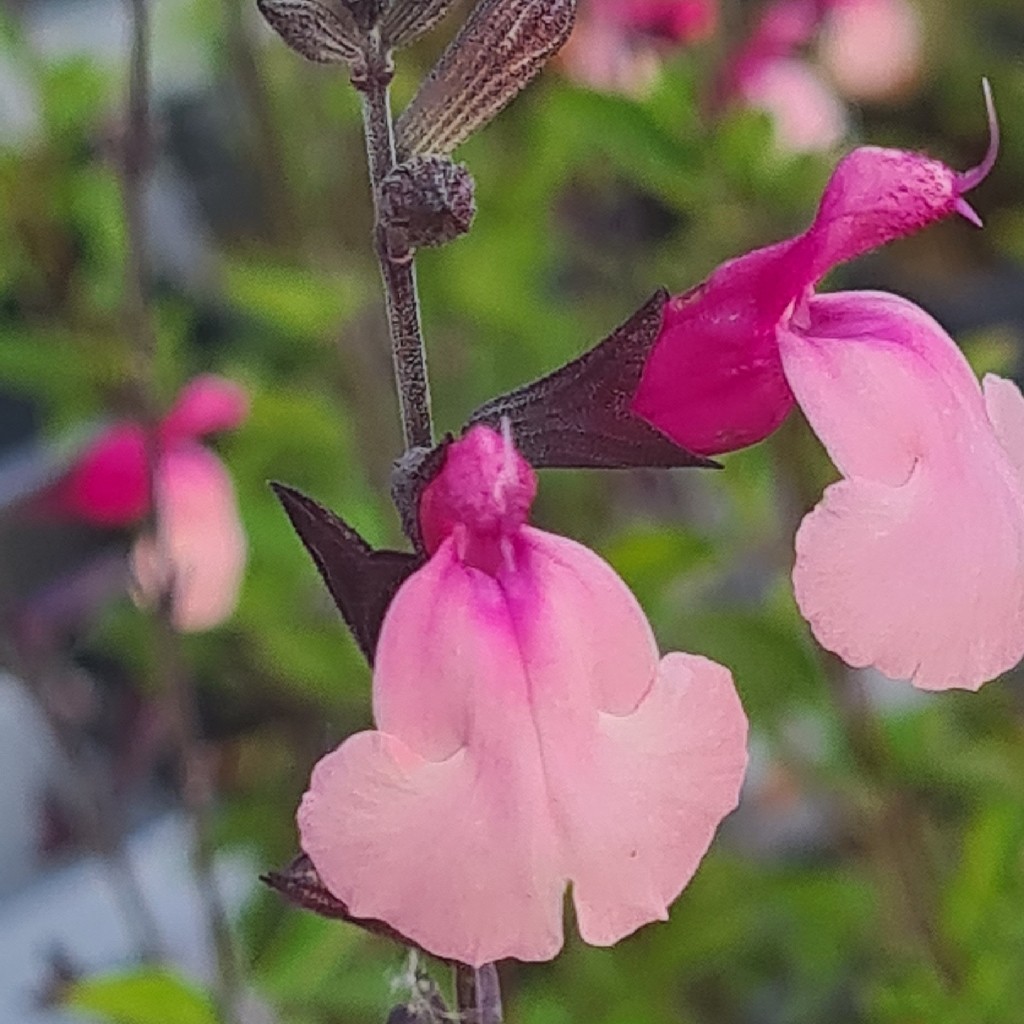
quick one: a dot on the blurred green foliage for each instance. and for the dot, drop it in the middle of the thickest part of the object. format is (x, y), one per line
(587, 202)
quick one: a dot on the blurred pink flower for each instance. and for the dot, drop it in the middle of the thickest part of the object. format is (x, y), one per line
(872, 49)
(768, 73)
(529, 738)
(674, 21)
(200, 549)
(807, 114)
(617, 45)
(915, 562)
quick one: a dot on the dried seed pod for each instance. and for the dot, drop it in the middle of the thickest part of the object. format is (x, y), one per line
(426, 201)
(497, 53)
(321, 33)
(406, 20)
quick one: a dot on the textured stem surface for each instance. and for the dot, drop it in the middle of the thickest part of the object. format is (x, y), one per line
(399, 275)
(478, 994)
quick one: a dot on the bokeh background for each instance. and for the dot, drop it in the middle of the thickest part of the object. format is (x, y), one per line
(874, 871)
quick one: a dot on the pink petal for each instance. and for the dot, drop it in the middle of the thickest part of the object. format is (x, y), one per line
(807, 114)
(714, 381)
(527, 741)
(109, 484)
(874, 197)
(439, 824)
(206, 405)
(914, 563)
(674, 21)
(646, 794)
(1005, 407)
(202, 547)
(484, 484)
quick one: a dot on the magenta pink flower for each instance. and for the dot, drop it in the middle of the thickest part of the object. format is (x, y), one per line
(528, 738)
(914, 562)
(200, 550)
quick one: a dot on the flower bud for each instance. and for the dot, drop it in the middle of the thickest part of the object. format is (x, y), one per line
(426, 201)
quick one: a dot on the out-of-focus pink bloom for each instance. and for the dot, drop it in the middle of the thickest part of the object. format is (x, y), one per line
(200, 549)
(768, 73)
(872, 49)
(617, 44)
(807, 114)
(528, 738)
(915, 563)
(675, 21)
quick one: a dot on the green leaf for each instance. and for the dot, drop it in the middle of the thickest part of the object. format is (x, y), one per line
(297, 302)
(769, 652)
(626, 134)
(146, 996)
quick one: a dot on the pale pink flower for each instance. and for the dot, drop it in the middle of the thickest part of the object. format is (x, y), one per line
(914, 563)
(807, 114)
(872, 49)
(769, 73)
(528, 738)
(200, 550)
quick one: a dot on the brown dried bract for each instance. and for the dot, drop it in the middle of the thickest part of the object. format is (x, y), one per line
(300, 884)
(405, 21)
(579, 416)
(498, 52)
(326, 34)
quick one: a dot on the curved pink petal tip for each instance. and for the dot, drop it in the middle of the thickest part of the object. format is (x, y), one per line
(967, 180)
(206, 405)
(914, 562)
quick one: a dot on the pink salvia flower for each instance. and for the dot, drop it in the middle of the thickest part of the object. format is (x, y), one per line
(914, 563)
(528, 738)
(201, 549)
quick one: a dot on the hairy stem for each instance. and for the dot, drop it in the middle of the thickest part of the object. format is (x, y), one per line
(398, 275)
(173, 680)
(477, 990)
(478, 994)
